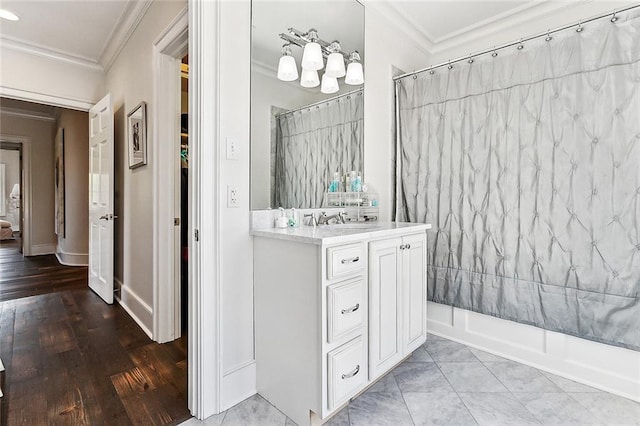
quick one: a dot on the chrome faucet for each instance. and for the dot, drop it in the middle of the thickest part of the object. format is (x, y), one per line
(313, 220)
(324, 219)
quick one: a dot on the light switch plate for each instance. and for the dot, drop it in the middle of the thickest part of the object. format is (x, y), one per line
(232, 149)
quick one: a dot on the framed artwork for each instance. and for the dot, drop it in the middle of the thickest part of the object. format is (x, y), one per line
(137, 135)
(59, 183)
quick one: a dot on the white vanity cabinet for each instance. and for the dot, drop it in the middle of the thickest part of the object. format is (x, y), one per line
(397, 299)
(324, 300)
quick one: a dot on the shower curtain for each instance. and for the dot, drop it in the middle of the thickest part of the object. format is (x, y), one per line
(313, 143)
(527, 164)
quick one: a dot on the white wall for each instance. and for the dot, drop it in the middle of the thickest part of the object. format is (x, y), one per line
(130, 81)
(73, 248)
(11, 160)
(32, 77)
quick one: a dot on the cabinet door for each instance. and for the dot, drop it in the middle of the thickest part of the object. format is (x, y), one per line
(414, 291)
(385, 342)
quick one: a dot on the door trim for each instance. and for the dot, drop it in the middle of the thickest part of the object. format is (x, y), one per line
(168, 50)
(25, 228)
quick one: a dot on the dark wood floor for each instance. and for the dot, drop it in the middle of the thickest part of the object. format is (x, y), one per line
(28, 276)
(71, 359)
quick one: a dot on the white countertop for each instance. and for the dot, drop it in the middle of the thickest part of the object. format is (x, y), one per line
(331, 234)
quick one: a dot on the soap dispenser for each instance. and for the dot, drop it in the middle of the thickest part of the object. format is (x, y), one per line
(293, 219)
(281, 221)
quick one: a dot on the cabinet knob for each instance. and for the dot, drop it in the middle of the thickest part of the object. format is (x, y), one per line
(405, 246)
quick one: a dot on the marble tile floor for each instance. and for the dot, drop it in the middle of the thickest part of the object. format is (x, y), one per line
(447, 383)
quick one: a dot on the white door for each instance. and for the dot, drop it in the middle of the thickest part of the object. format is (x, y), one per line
(385, 348)
(101, 206)
(414, 288)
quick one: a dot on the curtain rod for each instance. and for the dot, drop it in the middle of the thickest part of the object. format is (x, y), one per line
(353, 92)
(518, 42)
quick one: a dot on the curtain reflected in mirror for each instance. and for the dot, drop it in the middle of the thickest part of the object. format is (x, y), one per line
(311, 144)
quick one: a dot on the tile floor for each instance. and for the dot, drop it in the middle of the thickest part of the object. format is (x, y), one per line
(447, 383)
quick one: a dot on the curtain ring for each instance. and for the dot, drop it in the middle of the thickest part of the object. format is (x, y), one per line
(520, 46)
(548, 37)
(450, 66)
(579, 29)
(415, 76)
(614, 18)
(494, 54)
(470, 59)
(432, 71)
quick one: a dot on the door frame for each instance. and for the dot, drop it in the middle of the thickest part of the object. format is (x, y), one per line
(25, 189)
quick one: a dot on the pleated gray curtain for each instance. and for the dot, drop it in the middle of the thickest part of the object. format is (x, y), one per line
(528, 167)
(312, 144)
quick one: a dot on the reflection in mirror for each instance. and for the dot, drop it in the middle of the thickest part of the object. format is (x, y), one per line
(300, 136)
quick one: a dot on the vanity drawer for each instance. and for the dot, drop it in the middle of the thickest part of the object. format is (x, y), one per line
(347, 371)
(345, 260)
(346, 308)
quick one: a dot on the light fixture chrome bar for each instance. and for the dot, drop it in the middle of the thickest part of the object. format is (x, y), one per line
(517, 42)
(353, 92)
(300, 39)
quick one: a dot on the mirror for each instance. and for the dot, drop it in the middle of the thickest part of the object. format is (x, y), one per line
(301, 136)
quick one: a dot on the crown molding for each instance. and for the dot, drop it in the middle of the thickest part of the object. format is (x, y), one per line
(47, 53)
(30, 115)
(390, 12)
(127, 23)
(530, 11)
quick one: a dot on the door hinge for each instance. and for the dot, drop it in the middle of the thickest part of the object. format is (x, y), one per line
(197, 235)
(176, 221)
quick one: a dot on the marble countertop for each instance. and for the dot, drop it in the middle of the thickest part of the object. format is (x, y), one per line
(343, 233)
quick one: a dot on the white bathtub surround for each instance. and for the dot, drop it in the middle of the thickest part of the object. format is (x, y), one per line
(336, 307)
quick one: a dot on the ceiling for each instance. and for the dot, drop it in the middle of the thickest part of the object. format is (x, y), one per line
(93, 31)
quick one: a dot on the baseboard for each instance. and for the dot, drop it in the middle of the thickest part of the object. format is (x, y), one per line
(72, 259)
(609, 368)
(40, 249)
(137, 309)
(238, 385)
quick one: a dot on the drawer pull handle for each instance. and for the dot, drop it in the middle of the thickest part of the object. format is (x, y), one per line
(351, 309)
(351, 260)
(353, 373)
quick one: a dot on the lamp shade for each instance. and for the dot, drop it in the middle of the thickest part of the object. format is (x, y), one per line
(312, 57)
(287, 68)
(15, 191)
(309, 78)
(335, 65)
(354, 74)
(329, 84)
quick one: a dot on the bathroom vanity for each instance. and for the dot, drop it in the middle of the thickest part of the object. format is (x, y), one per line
(336, 307)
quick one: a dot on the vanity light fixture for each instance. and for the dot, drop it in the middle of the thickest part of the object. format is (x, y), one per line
(354, 70)
(329, 84)
(315, 50)
(8, 15)
(309, 78)
(312, 55)
(287, 68)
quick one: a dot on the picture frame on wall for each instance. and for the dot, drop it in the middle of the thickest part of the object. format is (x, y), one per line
(137, 135)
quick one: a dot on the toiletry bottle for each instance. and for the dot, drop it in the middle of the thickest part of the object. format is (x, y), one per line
(281, 221)
(352, 181)
(335, 183)
(293, 219)
(359, 182)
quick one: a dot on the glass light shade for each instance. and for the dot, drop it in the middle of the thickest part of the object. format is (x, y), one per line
(354, 74)
(8, 15)
(287, 68)
(312, 57)
(309, 78)
(329, 84)
(335, 66)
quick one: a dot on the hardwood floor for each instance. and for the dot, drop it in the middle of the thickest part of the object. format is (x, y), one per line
(71, 359)
(28, 276)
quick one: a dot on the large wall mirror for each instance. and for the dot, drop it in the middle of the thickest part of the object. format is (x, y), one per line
(304, 130)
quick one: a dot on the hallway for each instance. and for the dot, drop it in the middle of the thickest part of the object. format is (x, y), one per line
(72, 359)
